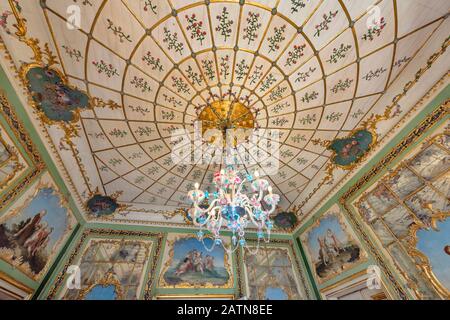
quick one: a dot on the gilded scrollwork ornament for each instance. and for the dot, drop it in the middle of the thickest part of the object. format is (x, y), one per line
(56, 101)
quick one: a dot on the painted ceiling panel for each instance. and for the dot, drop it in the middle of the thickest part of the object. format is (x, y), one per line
(313, 69)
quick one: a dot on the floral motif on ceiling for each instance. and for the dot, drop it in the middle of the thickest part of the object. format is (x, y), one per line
(315, 71)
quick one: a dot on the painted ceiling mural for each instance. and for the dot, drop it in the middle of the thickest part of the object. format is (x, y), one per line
(328, 74)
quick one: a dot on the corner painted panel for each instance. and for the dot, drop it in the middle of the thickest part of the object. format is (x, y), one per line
(331, 247)
(35, 228)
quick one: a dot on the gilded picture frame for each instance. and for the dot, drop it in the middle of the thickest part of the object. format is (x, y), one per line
(6, 255)
(286, 249)
(410, 241)
(362, 258)
(56, 291)
(110, 278)
(22, 288)
(168, 257)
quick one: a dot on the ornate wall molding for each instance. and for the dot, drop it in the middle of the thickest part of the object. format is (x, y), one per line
(300, 270)
(38, 165)
(411, 138)
(114, 233)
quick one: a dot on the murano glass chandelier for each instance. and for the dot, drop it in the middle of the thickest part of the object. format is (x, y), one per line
(230, 208)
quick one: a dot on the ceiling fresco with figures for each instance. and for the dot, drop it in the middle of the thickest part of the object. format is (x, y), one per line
(321, 72)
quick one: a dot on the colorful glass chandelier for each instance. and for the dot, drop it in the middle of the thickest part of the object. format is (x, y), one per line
(230, 209)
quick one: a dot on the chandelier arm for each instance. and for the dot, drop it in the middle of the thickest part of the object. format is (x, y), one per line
(249, 212)
(207, 219)
(270, 211)
(241, 185)
(207, 209)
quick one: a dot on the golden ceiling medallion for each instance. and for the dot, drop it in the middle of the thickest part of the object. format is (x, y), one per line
(225, 116)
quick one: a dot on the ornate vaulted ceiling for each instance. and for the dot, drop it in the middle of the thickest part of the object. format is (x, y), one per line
(315, 70)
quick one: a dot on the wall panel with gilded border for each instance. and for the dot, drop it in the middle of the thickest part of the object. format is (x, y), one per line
(275, 272)
(113, 265)
(407, 210)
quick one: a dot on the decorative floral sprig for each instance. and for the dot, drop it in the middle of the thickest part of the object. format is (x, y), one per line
(342, 85)
(117, 30)
(149, 5)
(209, 71)
(172, 41)
(279, 121)
(308, 119)
(334, 116)
(196, 28)
(295, 54)
(303, 76)
(280, 107)
(253, 24)
(155, 63)
(141, 131)
(115, 161)
(140, 83)
(241, 70)
(308, 97)
(298, 138)
(339, 53)
(256, 75)
(276, 38)
(296, 4)
(105, 68)
(180, 85)
(155, 148)
(225, 24)
(118, 133)
(224, 66)
(286, 153)
(401, 61)
(193, 76)
(277, 93)
(374, 74)
(139, 109)
(267, 82)
(168, 115)
(169, 99)
(324, 25)
(357, 114)
(374, 30)
(73, 53)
